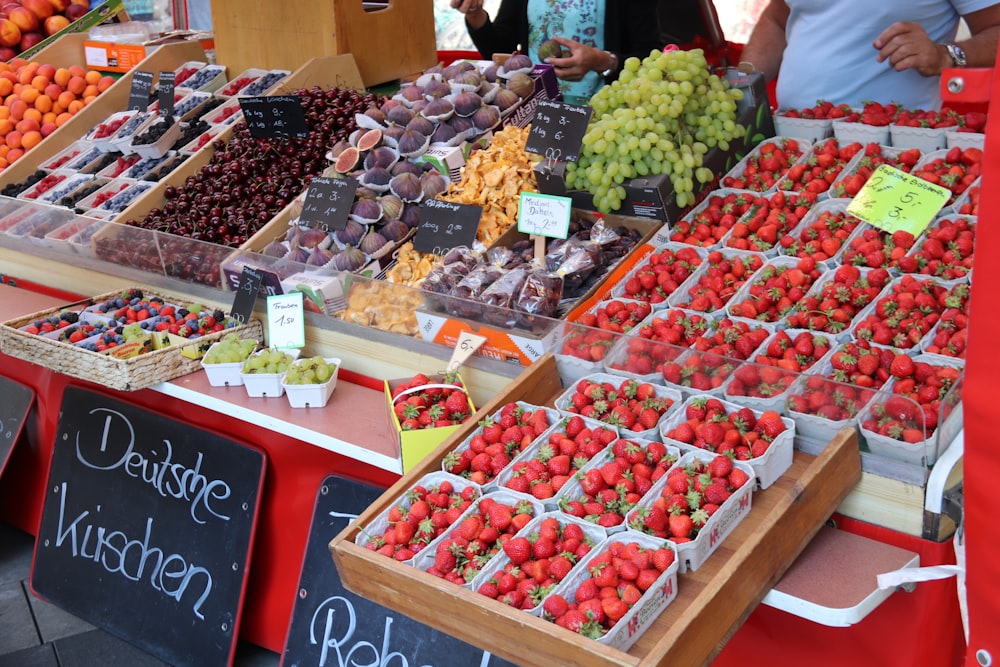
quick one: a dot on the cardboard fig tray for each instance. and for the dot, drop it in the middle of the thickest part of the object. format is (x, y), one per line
(711, 603)
(123, 374)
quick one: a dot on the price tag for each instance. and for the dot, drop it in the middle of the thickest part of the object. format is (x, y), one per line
(557, 130)
(893, 200)
(466, 346)
(165, 94)
(286, 322)
(444, 225)
(328, 203)
(246, 295)
(544, 215)
(139, 93)
(274, 116)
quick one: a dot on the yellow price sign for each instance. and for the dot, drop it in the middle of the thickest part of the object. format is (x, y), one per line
(893, 200)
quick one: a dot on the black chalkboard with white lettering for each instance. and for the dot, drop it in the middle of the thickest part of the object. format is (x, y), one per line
(15, 401)
(333, 627)
(147, 527)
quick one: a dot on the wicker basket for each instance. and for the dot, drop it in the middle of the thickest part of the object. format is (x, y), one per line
(128, 374)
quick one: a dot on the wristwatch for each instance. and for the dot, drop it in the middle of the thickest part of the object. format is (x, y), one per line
(957, 54)
(613, 67)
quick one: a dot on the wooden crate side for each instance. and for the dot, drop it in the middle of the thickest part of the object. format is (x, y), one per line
(114, 99)
(406, 43)
(323, 71)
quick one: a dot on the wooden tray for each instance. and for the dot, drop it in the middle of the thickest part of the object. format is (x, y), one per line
(712, 602)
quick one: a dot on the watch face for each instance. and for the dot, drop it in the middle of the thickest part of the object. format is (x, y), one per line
(957, 54)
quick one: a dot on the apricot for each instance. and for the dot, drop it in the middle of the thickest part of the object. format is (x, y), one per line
(105, 83)
(26, 74)
(6, 87)
(17, 63)
(6, 125)
(65, 98)
(61, 76)
(13, 154)
(76, 84)
(4, 111)
(29, 94)
(74, 106)
(13, 139)
(87, 99)
(17, 109)
(48, 117)
(92, 76)
(62, 118)
(53, 90)
(31, 113)
(47, 70)
(31, 139)
(27, 125)
(39, 82)
(49, 128)
(43, 103)
(90, 91)
(76, 70)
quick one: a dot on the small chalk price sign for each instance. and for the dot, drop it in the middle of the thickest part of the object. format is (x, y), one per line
(274, 116)
(328, 203)
(165, 94)
(557, 130)
(893, 200)
(544, 215)
(246, 295)
(444, 225)
(141, 90)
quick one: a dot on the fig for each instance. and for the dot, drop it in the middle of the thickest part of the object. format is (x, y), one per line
(411, 215)
(348, 259)
(300, 255)
(461, 125)
(406, 187)
(438, 110)
(319, 257)
(467, 103)
(433, 184)
(394, 230)
(347, 160)
(516, 63)
(413, 143)
(376, 179)
(406, 167)
(382, 156)
(421, 125)
(365, 193)
(522, 84)
(486, 118)
(468, 78)
(437, 89)
(339, 148)
(550, 48)
(366, 211)
(392, 134)
(488, 91)
(443, 134)
(351, 234)
(392, 206)
(373, 118)
(312, 238)
(506, 99)
(419, 106)
(410, 94)
(369, 140)
(389, 105)
(400, 115)
(373, 243)
(277, 248)
(490, 73)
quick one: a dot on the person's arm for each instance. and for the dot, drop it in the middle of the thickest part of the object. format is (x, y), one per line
(766, 45)
(907, 46)
(501, 34)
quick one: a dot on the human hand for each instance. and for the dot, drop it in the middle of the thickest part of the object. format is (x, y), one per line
(906, 45)
(581, 59)
(475, 15)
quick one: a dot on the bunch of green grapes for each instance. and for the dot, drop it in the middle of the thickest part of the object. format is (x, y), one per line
(314, 370)
(661, 116)
(269, 361)
(230, 350)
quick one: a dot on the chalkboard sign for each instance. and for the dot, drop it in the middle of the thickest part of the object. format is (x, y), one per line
(274, 116)
(165, 94)
(557, 130)
(333, 627)
(15, 401)
(141, 90)
(444, 225)
(246, 296)
(328, 203)
(147, 527)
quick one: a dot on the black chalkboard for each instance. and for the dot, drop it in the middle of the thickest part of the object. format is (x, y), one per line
(332, 627)
(15, 401)
(246, 295)
(147, 527)
(165, 94)
(328, 203)
(274, 116)
(139, 93)
(557, 130)
(444, 225)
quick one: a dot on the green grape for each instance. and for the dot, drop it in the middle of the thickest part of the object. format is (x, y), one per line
(313, 370)
(231, 349)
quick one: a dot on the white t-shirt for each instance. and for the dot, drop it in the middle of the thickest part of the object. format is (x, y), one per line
(830, 54)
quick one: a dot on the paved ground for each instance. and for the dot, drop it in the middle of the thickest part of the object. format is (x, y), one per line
(34, 633)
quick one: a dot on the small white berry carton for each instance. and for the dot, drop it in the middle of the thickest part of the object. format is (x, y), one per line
(76, 155)
(849, 131)
(964, 139)
(564, 402)
(965, 204)
(804, 147)
(712, 199)
(425, 559)
(575, 335)
(619, 289)
(160, 146)
(223, 374)
(572, 491)
(623, 634)
(925, 138)
(208, 78)
(552, 416)
(768, 467)
(810, 129)
(130, 121)
(924, 452)
(265, 385)
(593, 535)
(693, 554)
(431, 482)
(311, 395)
(683, 298)
(632, 348)
(836, 206)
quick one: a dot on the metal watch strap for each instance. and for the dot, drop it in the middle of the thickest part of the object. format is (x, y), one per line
(957, 54)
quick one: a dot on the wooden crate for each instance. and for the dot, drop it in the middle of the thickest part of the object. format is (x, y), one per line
(68, 50)
(712, 602)
(387, 44)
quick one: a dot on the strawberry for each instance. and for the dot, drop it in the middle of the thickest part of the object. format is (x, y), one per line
(769, 219)
(765, 165)
(709, 221)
